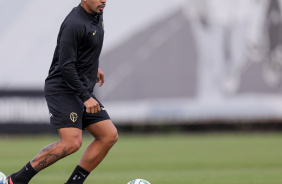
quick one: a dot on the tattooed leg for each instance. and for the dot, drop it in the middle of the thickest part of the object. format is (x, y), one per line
(71, 140)
(49, 155)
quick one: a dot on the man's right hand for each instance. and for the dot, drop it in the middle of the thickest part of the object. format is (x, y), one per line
(92, 106)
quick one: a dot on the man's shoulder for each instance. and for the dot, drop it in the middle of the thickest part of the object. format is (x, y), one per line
(75, 18)
(74, 22)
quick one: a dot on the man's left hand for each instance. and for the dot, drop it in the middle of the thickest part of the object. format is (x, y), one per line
(100, 77)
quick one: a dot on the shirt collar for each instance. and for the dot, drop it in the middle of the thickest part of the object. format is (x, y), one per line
(95, 16)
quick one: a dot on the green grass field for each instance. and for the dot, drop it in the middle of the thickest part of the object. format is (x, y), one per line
(162, 159)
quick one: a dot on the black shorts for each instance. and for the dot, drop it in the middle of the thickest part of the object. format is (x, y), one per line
(68, 110)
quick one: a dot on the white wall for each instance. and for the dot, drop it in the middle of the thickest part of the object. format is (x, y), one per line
(30, 28)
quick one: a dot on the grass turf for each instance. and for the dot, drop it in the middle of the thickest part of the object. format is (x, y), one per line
(162, 159)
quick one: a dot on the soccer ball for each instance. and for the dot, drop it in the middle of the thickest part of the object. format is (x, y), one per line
(2, 178)
(138, 181)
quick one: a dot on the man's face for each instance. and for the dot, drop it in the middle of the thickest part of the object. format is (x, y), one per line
(95, 6)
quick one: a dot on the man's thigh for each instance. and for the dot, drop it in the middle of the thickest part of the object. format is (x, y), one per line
(102, 129)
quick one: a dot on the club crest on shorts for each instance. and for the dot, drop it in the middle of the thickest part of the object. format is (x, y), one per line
(73, 117)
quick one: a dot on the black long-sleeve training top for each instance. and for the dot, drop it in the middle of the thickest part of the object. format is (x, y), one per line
(76, 59)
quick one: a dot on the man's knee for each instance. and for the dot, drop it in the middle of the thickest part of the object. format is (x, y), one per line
(114, 138)
(104, 132)
(75, 144)
(71, 145)
(108, 139)
(111, 138)
(71, 140)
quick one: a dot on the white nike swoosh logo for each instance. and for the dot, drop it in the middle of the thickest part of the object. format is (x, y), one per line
(82, 174)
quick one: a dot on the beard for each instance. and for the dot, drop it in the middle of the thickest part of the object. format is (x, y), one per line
(103, 5)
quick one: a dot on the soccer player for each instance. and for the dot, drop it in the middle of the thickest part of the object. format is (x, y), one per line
(68, 90)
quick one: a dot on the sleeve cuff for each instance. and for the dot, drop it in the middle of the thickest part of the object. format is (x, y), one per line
(85, 96)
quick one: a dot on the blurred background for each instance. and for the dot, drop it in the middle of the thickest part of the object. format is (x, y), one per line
(202, 77)
(180, 62)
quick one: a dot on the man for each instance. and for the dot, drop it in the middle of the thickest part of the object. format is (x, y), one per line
(68, 90)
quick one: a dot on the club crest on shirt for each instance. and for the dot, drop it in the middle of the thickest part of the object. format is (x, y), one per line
(73, 117)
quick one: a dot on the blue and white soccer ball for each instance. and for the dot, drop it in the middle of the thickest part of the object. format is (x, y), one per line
(138, 181)
(2, 178)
